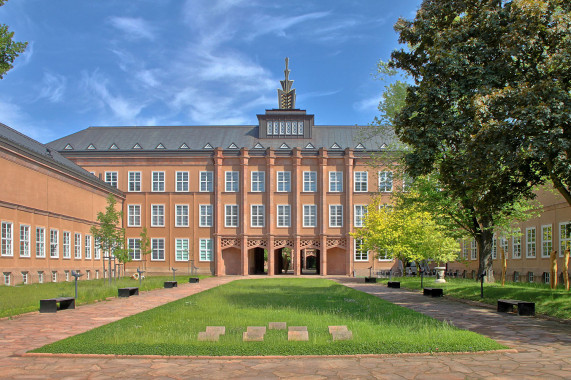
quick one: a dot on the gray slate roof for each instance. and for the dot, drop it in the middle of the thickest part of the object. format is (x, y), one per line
(197, 137)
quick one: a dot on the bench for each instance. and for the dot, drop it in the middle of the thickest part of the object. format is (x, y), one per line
(523, 307)
(393, 284)
(193, 280)
(371, 279)
(50, 305)
(128, 292)
(434, 292)
(171, 284)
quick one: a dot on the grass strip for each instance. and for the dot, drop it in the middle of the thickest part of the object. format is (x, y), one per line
(378, 326)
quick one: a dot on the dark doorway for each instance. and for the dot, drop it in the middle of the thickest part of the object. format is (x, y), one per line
(256, 261)
(283, 261)
(310, 261)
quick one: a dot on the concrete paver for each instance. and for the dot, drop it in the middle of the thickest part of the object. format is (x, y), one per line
(543, 347)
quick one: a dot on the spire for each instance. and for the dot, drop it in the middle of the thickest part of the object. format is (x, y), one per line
(286, 96)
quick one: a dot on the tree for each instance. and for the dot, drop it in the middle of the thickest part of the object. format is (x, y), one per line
(145, 246)
(9, 49)
(109, 237)
(454, 58)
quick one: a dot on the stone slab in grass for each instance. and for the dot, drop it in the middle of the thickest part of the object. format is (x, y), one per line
(342, 335)
(297, 328)
(297, 335)
(333, 329)
(220, 330)
(208, 337)
(252, 336)
(277, 325)
(256, 329)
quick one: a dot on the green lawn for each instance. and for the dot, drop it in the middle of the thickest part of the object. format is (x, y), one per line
(377, 325)
(25, 298)
(556, 303)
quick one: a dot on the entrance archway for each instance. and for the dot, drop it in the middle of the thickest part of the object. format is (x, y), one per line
(310, 261)
(283, 265)
(231, 261)
(337, 261)
(256, 261)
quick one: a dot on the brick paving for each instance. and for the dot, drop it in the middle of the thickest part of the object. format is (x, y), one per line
(543, 348)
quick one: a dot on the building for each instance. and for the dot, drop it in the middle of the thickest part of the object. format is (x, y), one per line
(47, 207)
(217, 198)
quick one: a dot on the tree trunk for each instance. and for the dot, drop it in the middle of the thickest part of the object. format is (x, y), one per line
(566, 269)
(485, 239)
(504, 264)
(553, 274)
(109, 257)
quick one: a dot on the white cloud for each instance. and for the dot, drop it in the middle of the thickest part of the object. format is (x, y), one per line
(53, 87)
(13, 116)
(134, 28)
(368, 105)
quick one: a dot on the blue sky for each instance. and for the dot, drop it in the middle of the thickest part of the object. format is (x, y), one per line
(194, 62)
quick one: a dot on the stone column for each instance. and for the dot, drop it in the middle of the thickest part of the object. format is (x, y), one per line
(271, 255)
(218, 182)
(269, 207)
(349, 187)
(242, 212)
(323, 209)
(244, 255)
(295, 175)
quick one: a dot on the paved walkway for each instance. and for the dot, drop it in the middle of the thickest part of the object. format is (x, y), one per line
(543, 347)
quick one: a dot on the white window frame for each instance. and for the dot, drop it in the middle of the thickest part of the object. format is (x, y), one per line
(283, 215)
(205, 216)
(40, 277)
(7, 278)
(25, 240)
(134, 247)
(158, 181)
(40, 242)
(134, 215)
(564, 242)
(473, 250)
(96, 250)
(231, 216)
(258, 181)
(386, 181)
(310, 181)
(494, 247)
(181, 249)
(283, 179)
(206, 182)
(359, 214)
(205, 250)
(87, 247)
(257, 216)
(25, 277)
(54, 276)
(158, 249)
(7, 239)
(530, 243)
(516, 247)
(231, 181)
(66, 245)
(358, 254)
(546, 244)
(505, 245)
(309, 216)
(360, 181)
(77, 246)
(134, 181)
(157, 215)
(182, 215)
(335, 182)
(335, 216)
(182, 181)
(112, 179)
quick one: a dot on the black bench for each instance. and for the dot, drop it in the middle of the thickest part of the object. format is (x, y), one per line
(523, 307)
(371, 279)
(393, 284)
(171, 284)
(193, 280)
(434, 292)
(50, 305)
(128, 292)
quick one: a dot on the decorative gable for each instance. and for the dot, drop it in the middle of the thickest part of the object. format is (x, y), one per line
(208, 146)
(360, 146)
(137, 146)
(335, 146)
(114, 146)
(68, 147)
(284, 146)
(184, 146)
(309, 146)
(91, 147)
(258, 146)
(384, 146)
(160, 146)
(232, 146)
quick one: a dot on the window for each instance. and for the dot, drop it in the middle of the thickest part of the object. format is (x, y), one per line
(504, 246)
(66, 272)
(546, 277)
(181, 215)
(134, 246)
(157, 215)
(231, 216)
(111, 178)
(309, 215)
(25, 278)
(24, 241)
(310, 181)
(205, 246)
(360, 253)
(385, 181)
(361, 180)
(407, 183)
(158, 249)
(385, 256)
(530, 242)
(335, 216)
(257, 216)
(7, 278)
(134, 216)
(516, 247)
(494, 248)
(181, 247)
(284, 181)
(564, 237)
(54, 276)
(205, 216)
(88, 247)
(40, 277)
(284, 215)
(40, 242)
(66, 245)
(134, 181)
(97, 274)
(335, 182)
(181, 181)
(465, 249)
(88, 274)
(206, 182)
(258, 181)
(232, 182)
(7, 248)
(158, 181)
(360, 212)
(473, 250)
(530, 277)
(97, 254)
(77, 246)
(546, 240)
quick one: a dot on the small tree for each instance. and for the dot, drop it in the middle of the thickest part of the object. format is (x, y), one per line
(9, 49)
(109, 237)
(145, 246)
(286, 258)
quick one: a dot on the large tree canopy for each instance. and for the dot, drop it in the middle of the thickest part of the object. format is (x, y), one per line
(9, 49)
